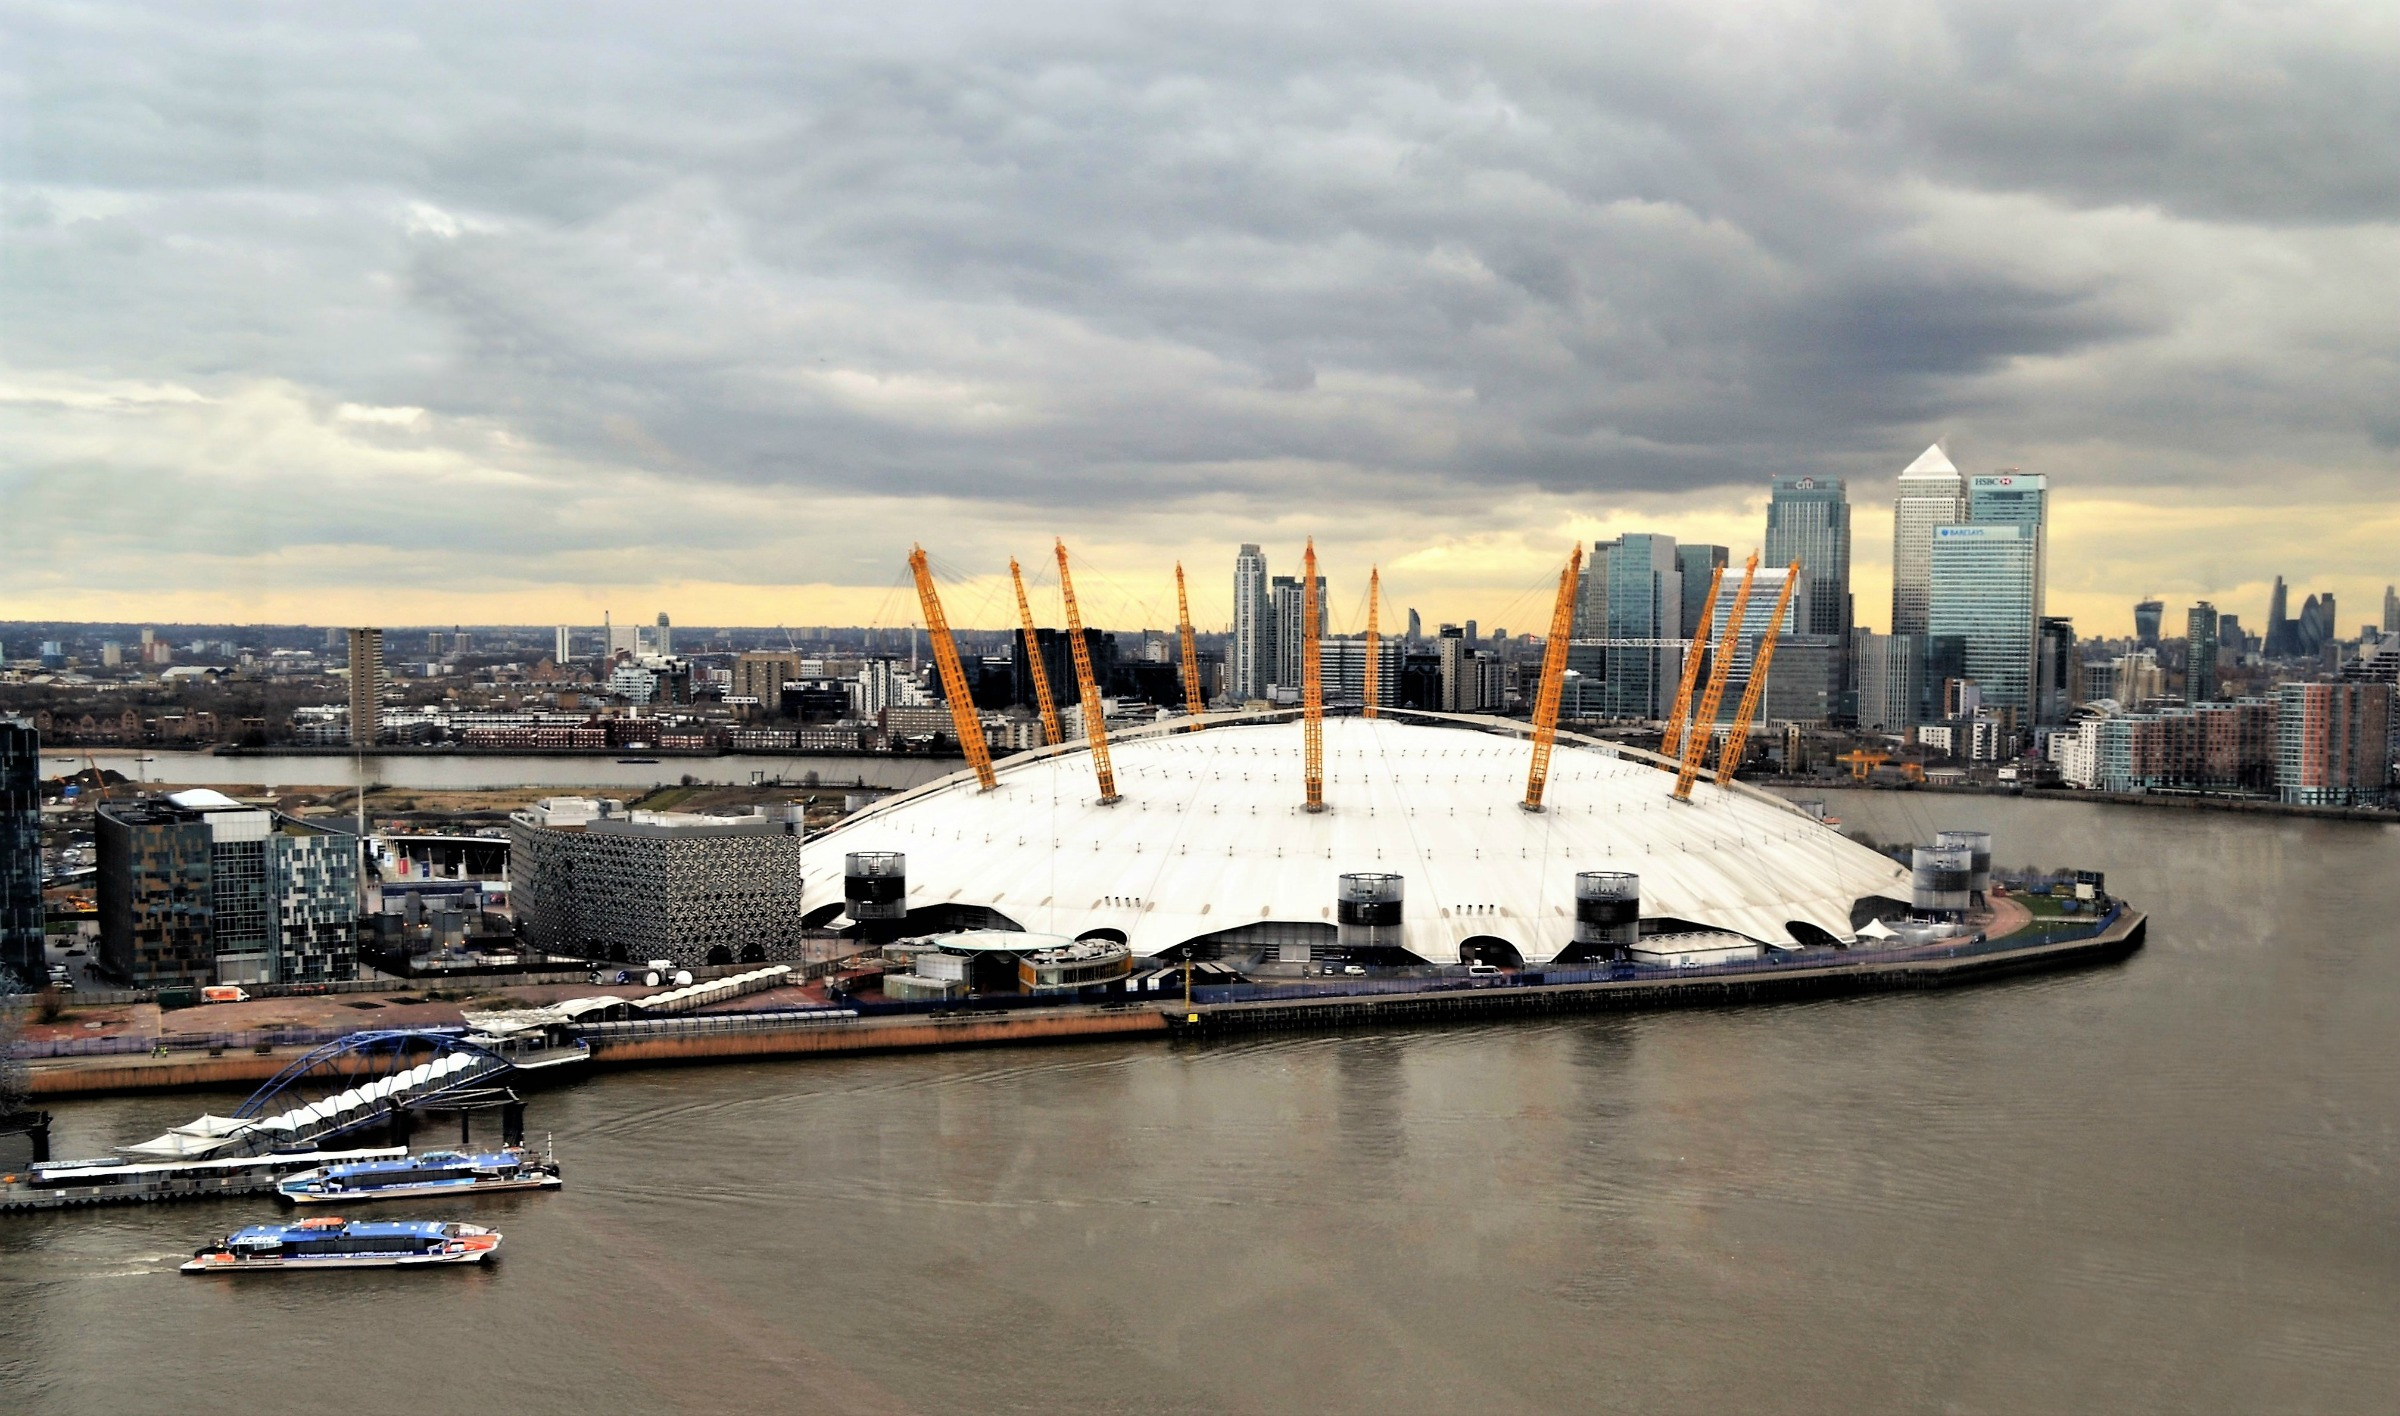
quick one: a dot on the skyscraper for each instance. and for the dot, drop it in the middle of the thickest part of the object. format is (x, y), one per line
(2147, 616)
(1252, 612)
(2279, 622)
(666, 637)
(565, 646)
(366, 686)
(1696, 563)
(1808, 520)
(1891, 681)
(2200, 654)
(2019, 499)
(1932, 494)
(21, 854)
(2391, 609)
(1416, 626)
(1290, 650)
(2058, 687)
(1644, 601)
(1984, 592)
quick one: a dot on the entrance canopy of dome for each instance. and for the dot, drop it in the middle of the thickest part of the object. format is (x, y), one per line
(1210, 836)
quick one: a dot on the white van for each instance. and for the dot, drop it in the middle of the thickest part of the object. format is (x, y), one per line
(224, 993)
(1479, 969)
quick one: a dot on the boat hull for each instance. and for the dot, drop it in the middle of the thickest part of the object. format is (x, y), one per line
(435, 1190)
(470, 1249)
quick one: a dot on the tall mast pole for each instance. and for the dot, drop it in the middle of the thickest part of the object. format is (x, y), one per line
(1312, 682)
(1195, 702)
(1374, 638)
(954, 679)
(1678, 720)
(1737, 742)
(1033, 660)
(1095, 720)
(1695, 743)
(1554, 675)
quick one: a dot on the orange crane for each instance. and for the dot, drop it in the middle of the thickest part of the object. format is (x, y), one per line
(954, 679)
(1695, 741)
(1194, 702)
(1863, 764)
(1095, 721)
(1033, 660)
(1554, 677)
(1677, 721)
(1312, 681)
(1737, 741)
(1374, 638)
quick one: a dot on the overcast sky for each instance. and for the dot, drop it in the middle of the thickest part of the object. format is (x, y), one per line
(383, 313)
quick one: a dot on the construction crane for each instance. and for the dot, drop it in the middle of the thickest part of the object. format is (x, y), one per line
(1678, 720)
(954, 679)
(1374, 638)
(1863, 764)
(1737, 741)
(1195, 702)
(1095, 721)
(1033, 661)
(1554, 677)
(1312, 681)
(1695, 740)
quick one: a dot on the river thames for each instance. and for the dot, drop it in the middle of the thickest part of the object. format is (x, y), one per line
(2166, 1185)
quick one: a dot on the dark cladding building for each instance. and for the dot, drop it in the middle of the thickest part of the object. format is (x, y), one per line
(195, 887)
(21, 853)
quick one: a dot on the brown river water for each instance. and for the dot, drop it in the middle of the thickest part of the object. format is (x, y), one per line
(2167, 1185)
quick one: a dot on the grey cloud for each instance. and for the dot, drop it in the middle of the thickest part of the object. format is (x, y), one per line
(1137, 257)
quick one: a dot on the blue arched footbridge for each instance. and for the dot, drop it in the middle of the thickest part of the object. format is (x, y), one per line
(346, 1085)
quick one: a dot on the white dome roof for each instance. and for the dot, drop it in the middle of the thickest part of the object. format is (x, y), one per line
(1210, 835)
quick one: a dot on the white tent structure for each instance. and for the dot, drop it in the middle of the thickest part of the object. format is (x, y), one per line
(1210, 837)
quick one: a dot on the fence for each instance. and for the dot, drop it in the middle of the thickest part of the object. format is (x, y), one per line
(714, 1024)
(178, 1042)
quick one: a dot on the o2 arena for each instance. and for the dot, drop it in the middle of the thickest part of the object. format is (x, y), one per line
(1421, 854)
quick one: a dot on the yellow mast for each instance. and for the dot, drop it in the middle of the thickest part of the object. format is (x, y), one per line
(1312, 682)
(1554, 674)
(1738, 741)
(1195, 702)
(1695, 742)
(1374, 637)
(954, 679)
(1095, 725)
(1033, 660)
(1676, 721)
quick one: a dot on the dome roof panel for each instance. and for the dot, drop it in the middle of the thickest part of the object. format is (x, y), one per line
(1210, 836)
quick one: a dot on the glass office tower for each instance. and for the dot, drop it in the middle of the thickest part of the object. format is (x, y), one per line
(2022, 500)
(1985, 592)
(1808, 520)
(1644, 603)
(1932, 494)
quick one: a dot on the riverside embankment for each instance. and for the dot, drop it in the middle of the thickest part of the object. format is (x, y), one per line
(1215, 1011)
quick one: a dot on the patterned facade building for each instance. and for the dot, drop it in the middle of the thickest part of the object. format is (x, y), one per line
(588, 879)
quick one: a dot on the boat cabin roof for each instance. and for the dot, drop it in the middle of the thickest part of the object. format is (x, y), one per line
(389, 1229)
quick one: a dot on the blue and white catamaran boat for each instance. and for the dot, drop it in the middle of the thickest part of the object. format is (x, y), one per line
(342, 1244)
(433, 1174)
